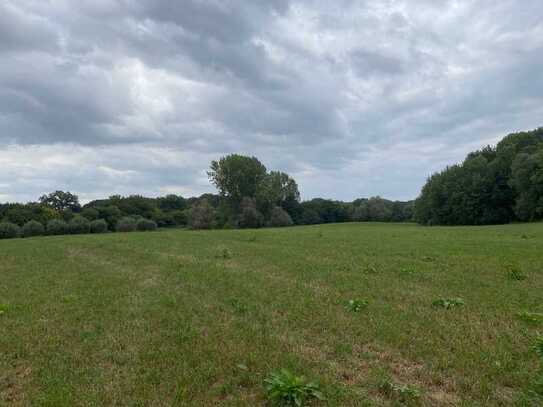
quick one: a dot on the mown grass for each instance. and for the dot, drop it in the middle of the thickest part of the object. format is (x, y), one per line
(203, 318)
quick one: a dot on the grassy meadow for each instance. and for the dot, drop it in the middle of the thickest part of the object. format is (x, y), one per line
(202, 318)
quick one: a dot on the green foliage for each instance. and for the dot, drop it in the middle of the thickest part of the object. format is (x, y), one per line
(32, 228)
(111, 214)
(134, 205)
(180, 217)
(126, 224)
(90, 213)
(60, 200)
(250, 217)
(23, 213)
(3, 308)
(202, 215)
(514, 273)
(538, 347)
(325, 211)
(79, 225)
(493, 185)
(163, 219)
(171, 203)
(223, 252)
(144, 225)
(531, 317)
(405, 393)
(527, 181)
(538, 386)
(309, 217)
(98, 226)
(9, 230)
(57, 227)
(356, 305)
(448, 303)
(280, 218)
(67, 214)
(238, 306)
(276, 189)
(236, 177)
(286, 389)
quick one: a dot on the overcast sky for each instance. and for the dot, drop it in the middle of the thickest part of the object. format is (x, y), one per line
(352, 98)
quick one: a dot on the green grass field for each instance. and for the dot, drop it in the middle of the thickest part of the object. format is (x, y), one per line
(202, 318)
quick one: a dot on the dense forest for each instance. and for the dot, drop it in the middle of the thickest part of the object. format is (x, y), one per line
(248, 197)
(494, 185)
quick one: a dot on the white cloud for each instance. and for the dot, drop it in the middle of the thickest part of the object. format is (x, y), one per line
(354, 98)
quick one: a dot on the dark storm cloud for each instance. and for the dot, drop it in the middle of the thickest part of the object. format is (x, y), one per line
(355, 98)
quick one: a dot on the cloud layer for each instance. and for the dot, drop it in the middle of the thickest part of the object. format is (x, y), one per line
(353, 98)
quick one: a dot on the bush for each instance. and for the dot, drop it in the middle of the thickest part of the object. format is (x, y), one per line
(9, 230)
(111, 214)
(98, 226)
(279, 218)
(163, 220)
(67, 214)
(90, 213)
(202, 215)
(180, 217)
(57, 227)
(79, 225)
(126, 224)
(144, 225)
(250, 217)
(287, 389)
(32, 228)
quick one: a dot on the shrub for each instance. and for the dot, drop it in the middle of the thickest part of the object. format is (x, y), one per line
(3, 308)
(223, 252)
(287, 389)
(146, 225)
(310, 217)
(126, 224)
(111, 214)
(250, 217)
(162, 219)
(356, 305)
(56, 227)
(514, 273)
(405, 393)
(448, 303)
(67, 214)
(90, 213)
(180, 217)
(202, 215)
(98, 226)
(280, 217)
(9, 230)
(32, 228)
(79, 225)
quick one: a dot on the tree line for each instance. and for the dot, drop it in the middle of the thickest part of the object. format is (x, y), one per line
(249, 196)
(494, 185)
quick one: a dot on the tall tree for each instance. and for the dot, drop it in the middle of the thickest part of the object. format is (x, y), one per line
(527, 180)
(493, 185)
(60, 200)
(237, 176)
(277, 189)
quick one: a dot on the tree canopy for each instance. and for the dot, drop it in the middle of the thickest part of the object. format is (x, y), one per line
(60, 200)
(236, 177)
(493, 185)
